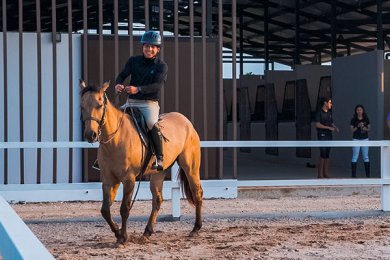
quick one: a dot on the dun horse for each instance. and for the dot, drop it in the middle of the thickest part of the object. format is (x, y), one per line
(120, 156)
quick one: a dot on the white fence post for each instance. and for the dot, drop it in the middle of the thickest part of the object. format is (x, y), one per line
(17, 241)
(176, 196)
(385, 174)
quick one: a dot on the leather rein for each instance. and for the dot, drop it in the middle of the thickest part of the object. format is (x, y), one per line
(102, 122)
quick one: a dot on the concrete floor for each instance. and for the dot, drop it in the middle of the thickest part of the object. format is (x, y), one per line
(256, 165)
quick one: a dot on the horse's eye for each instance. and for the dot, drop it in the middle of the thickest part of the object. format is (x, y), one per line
(99, 106)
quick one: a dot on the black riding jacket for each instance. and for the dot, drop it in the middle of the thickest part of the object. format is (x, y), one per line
(149, 75)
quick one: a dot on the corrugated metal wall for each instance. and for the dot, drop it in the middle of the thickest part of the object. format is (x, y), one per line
(39, 73)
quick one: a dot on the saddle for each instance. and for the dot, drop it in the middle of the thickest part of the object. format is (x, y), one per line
(140, 125)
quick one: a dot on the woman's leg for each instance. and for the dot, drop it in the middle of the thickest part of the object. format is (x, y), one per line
(355, 152)
(365, 153)
(150, 111)
(366, 160)
(355, 157)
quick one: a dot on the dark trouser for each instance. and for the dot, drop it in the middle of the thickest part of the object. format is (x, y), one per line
(324, 151)
(323, 163)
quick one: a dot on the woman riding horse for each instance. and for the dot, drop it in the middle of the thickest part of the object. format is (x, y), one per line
(121, 157)
(148, 75)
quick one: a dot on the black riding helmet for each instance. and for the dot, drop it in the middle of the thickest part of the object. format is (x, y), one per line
(151, 37)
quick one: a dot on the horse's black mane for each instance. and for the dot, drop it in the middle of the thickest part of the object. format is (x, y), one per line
(89, 88)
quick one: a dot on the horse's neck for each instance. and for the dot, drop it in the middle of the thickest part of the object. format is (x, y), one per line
(113, 117)
(116, 122)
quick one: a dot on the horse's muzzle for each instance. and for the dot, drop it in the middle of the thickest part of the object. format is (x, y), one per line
(91, 136)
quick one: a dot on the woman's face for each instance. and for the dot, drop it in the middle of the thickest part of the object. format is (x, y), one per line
(150, 51)
(329, 104)
(359, 111)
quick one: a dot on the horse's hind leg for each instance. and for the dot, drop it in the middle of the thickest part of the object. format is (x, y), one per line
(197, 193)
(109, 193)
(128, 188)
(189, 163)
(156, 184)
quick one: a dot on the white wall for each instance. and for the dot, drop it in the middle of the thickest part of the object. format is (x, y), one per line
(312, 74)
(356, 80)
(30, 106)
(386, 96)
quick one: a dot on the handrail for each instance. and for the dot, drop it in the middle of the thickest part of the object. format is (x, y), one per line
(384, 181)
(220, 144)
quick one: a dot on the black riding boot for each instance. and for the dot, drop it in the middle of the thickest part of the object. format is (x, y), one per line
(158, 148)
(367, 168)
(353, 167)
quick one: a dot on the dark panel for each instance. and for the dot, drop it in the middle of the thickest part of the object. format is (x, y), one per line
(245, 117)
(303, 118)
(324, 90)
(259, 104)
(288, 108)
(271, 118)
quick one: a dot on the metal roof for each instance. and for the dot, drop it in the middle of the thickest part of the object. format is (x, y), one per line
(283, 27)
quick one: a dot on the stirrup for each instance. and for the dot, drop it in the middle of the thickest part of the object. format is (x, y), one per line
(158, 164)
(95, 165)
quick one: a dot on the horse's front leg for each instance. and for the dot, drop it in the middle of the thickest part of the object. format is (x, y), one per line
(128, 188)
(156, 185)
(109, 193)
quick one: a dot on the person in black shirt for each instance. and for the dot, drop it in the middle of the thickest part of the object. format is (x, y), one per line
(325, 127)
(360, 126)
(148, 75)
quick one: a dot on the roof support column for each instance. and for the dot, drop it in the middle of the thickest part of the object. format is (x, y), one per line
(234, 85)
(241, 43)
(222, 117)
(379, 25)
(297, 59)
(209, 18)
(266, 39)
(333, 29)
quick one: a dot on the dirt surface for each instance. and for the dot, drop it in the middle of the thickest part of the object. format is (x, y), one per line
(286, 228)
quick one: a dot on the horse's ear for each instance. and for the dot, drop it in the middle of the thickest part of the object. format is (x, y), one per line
(105, 85)
(82, 84)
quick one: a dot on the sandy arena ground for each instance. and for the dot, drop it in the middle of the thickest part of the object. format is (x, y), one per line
(349, 227)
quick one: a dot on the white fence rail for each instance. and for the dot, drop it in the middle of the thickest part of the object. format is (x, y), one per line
(226, 187)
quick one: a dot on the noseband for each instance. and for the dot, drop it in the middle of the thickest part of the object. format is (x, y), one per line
(102, 121)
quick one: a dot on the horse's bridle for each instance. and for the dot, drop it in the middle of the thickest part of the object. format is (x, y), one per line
(102, 121)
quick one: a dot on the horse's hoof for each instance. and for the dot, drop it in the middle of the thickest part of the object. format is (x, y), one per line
(121, 240)
(193, 234)
(144, 240)
(119, 245)
(147, 233)
(118, 233)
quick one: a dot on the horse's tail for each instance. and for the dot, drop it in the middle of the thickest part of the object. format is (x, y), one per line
(185, 187)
